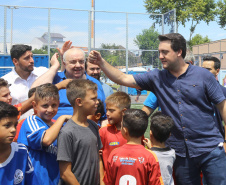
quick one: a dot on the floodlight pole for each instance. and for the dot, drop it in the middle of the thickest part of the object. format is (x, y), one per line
(92, 24)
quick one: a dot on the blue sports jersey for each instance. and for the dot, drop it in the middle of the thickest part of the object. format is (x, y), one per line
(46, 168)
(17, 169)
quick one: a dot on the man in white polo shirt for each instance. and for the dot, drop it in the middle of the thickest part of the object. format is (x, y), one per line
(23, 74)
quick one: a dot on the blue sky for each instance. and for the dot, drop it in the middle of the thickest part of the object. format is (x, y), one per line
(213, 31)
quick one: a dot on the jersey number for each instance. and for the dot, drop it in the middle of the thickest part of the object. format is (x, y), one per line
(127, 180)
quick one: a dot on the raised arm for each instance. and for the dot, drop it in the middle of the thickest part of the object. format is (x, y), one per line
(112, 73)
(50, 74)
(65, 47)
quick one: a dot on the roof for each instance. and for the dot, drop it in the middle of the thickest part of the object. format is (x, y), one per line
(56, 35)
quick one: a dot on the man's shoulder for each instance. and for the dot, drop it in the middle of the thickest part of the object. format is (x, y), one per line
(93, 80)
(10, 77)
(59, 77)
(38, 71)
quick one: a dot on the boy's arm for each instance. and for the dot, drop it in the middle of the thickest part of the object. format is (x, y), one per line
(66, 174)
(148, 110)
(101, 170)
(114, 74)
(52, 133)
(63, 84)
(48, 76)
(155, 173)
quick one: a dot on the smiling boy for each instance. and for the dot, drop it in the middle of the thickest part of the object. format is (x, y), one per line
(39, 134)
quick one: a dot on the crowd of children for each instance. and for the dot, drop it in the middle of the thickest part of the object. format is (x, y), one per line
(73, 149)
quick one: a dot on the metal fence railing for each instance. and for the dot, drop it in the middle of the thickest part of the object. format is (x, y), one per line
(114, 32)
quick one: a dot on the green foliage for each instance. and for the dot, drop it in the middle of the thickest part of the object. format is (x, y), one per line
(221, 10)
(116, 55)
(44, 50)
(148, 40)
(198, 39)
(186, 10)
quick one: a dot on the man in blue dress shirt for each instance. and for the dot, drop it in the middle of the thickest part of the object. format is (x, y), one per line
(186, 93)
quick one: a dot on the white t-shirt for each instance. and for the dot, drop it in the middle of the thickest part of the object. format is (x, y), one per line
(19, 87)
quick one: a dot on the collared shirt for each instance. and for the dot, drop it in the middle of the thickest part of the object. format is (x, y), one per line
(187, 99)
(19, 87)
(65, 107)
(107, 89)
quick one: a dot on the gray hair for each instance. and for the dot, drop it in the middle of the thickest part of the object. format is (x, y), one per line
(75, 50)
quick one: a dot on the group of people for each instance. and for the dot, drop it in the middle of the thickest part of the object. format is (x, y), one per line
(62, 140)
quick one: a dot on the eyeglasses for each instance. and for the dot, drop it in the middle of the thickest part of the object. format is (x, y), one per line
(73, 62)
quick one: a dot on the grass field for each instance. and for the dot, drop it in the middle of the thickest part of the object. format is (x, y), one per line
(139, 106)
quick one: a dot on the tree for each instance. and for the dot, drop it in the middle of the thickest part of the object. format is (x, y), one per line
(198, 39)
(189, 10)
(148, 40)
(221, 10)
(116, 55)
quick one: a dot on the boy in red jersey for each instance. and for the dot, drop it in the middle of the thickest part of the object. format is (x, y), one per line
(111, 136)
(132, 163)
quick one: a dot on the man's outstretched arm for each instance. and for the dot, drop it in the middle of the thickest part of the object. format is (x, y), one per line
(48, 76)
(112, 73)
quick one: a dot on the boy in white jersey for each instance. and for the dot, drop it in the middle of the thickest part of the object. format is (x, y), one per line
(15, 164)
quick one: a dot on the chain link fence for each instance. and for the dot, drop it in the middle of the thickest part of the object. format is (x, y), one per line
(111, 33)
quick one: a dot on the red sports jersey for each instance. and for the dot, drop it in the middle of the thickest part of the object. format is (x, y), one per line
(19, 107)
(111, 138)
(132, 164)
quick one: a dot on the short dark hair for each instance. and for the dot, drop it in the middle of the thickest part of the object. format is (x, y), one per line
(31, 92)
(18, 50)
(136, 121)
(7, 110)
(77, 89)
(178, 42)
(161, 126)
(47, 90)
(3, 83)
(120, 99)
(100, 108)
(217, 62)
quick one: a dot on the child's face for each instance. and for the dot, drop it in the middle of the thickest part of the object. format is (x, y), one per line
(90, 102)
(46, 108)
(5, 95)
(114, 114)
(7, 129)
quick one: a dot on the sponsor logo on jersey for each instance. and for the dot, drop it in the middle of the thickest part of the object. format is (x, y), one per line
(115, 158)
(141, 159)
(127, 160)
(18, 176)
(114, 143)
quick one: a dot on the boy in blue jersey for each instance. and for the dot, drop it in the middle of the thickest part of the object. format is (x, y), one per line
(39, 134)
(15, 164)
